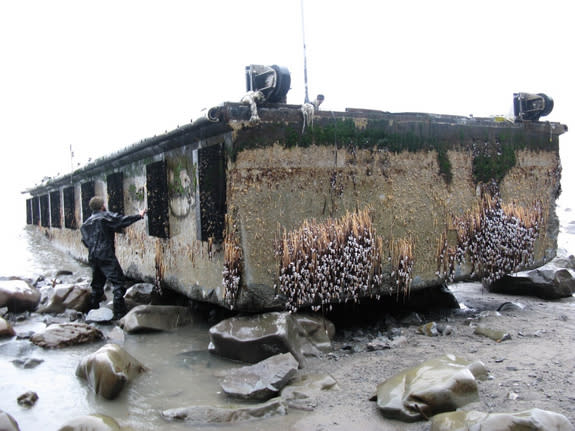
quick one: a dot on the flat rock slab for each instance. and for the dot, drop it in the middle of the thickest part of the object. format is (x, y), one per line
(435, 386)
(66, 334)
(261, 381)
(203, 415)
(109, 369)
(532, 420)
(144, 318)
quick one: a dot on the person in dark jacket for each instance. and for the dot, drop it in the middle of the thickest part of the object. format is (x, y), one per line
(98, 235)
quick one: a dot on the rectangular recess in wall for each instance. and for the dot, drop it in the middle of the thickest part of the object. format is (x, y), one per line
(115, 185)
(88, 192)
(212, 191)
(55, 213)
(45, 211)
(70, 208)
(29, 211)
(36, 211)
(157, 194)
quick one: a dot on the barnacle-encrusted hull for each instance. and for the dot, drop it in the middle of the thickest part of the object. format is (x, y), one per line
(291, 211)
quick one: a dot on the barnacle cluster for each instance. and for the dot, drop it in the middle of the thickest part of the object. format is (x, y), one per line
(331, 262)
(232, 263)
(402, 263)
(496, 238)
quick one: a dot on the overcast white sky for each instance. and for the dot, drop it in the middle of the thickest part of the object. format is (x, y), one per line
(101, 75)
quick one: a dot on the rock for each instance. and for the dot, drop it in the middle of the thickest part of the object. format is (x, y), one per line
(66, 334)
(429, 329)
(261, 381)
(302, 393)
(437, 385)
(139, 294)
(7, 422)
(318, 329)
(109, 369)
(495, 334)
(67, 297)
(116, 336)
(201, 415)
(379, 343)
(6, 329)
(100, 315)
(532, 420)
(145, 318)
(91, 423)
(542, 283)
(28, 399)
(18, 296)
(27, 362)
(254, 338)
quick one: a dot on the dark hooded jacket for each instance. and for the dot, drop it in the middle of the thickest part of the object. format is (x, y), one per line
(98, 233)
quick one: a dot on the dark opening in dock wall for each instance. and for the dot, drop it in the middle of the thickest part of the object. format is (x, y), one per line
(45, 211)
(36, 211)
(29, 210)
(157, 188)
(212, 188)
(88, 193)
(55, 213)
(70, 208)
(115, 185)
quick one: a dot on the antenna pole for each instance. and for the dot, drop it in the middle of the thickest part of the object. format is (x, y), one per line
(304, 54)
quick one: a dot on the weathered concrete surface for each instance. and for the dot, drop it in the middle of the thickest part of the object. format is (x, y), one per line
(417, 176)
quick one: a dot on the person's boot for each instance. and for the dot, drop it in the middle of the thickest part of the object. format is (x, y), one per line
(95, 299)
(120, 308)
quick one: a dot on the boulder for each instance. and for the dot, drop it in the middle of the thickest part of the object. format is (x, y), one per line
(67, 297)
(261, 381)
(139, 294)
(318, 329)
(144, 318)
(302, 392)
(532, 420)
(100, 315)
(18, 296)
(7, 422)
(437, 385)
(6, 329)
(254, 338)
(543, 283)
(91, 423)
(28, 399)
(66, 334)
(227, 414)
(109, 369)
